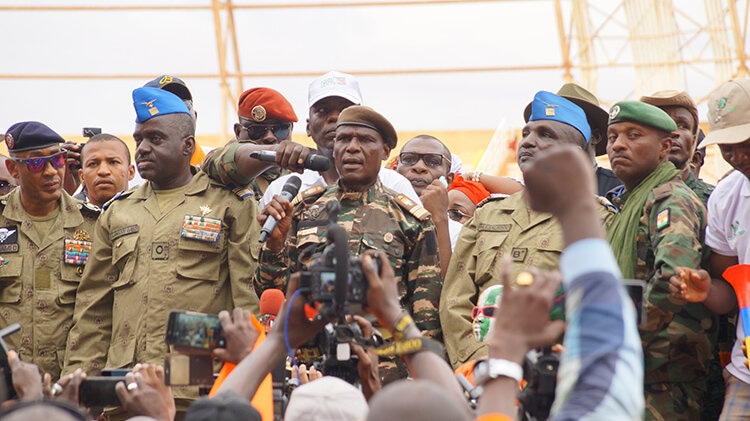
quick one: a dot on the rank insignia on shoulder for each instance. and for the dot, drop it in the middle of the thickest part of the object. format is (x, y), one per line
(412, 207)
(77, 251)
(201, 228)
(311, 192)
(662, 219)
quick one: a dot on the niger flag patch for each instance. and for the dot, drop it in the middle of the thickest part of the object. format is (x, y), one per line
(662, 219)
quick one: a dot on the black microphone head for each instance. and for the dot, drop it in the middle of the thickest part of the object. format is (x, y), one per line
(318, 163)
(292, 186)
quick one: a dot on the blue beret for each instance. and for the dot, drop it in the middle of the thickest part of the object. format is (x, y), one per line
(153, 102)
(640, 112)
(548, 106)
(28, 135)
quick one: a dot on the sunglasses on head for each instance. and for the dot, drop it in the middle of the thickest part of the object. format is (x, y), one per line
(487, 311)
(257, 131)
(457, 215)
(37, 164)
(432, 160)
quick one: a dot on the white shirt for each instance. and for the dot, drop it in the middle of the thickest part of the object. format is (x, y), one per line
(310, 178)
(728, 234)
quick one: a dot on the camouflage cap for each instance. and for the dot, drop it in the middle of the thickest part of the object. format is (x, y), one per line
(359, 115)
(640, 112)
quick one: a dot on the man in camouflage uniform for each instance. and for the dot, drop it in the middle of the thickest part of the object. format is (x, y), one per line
(44, 245)
(507, 226)
(179, 241)
(661, 228)
(374, 216)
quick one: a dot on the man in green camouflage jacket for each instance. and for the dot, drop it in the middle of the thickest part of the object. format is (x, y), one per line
(374, 216)
(661, 227)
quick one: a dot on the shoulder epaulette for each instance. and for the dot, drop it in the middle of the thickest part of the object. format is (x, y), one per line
(240, 191)
(606, 203)
(304, 196)
(412, 207)
(489, 199)
(118, 196)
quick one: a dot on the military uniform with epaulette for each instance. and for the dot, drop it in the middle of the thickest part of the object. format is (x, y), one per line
(377, 219)
(41, 263)
(499, 227)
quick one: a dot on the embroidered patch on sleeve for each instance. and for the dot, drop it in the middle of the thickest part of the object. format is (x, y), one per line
(662, 219)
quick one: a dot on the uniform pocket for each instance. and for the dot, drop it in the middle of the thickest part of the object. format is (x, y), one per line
(10, 279)
(125, 258)
(488, 256)
(198, 260)
(68, 285)
(121, 352)
(391, 244)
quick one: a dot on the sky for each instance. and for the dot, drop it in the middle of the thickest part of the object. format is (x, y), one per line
(304, 41)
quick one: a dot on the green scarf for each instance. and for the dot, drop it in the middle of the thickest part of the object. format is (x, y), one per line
(624, 229)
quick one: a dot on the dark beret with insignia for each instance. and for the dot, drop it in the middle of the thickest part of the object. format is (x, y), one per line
(28, 135)
(171, 84)
(640, 112)
(359, 115)
(261, 104)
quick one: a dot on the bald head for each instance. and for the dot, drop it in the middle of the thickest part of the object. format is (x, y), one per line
(419, 400)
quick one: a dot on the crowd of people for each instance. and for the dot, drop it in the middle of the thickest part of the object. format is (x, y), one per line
(461, 279)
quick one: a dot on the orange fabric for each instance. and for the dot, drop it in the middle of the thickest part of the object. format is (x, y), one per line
(467, 369)
(263, 399)
(476, 192)
(493, 417)
(198, 155)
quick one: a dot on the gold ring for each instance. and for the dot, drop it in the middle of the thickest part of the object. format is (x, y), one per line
(524, 279)
(132, 386)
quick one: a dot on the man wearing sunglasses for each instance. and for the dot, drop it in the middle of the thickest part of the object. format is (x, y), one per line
(178, 241)
(45, 239)
(508, 226)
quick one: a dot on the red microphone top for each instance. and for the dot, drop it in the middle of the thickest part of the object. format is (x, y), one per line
(270, 302)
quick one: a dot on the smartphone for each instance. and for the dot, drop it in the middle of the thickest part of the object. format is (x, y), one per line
(637, 292)
(188, 370)
(9, 391)
(192, 332)
(116, 372)
(99, 391)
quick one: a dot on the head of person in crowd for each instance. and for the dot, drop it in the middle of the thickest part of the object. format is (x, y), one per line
(364, 139)
(483, 314)
(326, 399)
(729, 123)
(424, 159)
(699, 156)
(38, 163)
(164, 137)
(463, 197)
(327, 96)
(554, 120)
(265, 117)
(42, 409)
(596, 116)
(176, 86)
(105, 167)
(416, 400)
(639, 138)
(225, 406)
(683, 110)
(7, 181)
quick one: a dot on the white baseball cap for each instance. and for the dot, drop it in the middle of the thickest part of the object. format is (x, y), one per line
(334, 83)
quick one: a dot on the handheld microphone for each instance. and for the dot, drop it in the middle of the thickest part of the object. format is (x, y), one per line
(290, 189)
(270, 304)
(313, 161)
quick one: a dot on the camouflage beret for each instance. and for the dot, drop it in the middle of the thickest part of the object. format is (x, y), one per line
(28, 135)
(359, 115)
(261, 104)
(640, 112)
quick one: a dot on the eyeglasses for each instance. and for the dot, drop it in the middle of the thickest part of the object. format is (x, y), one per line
(38, 164)
(257, 131)
(487, 311)
(457, 215)
(432, 160)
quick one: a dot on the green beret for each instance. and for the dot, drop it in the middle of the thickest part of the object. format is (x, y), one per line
(640, 112)
(359, 115)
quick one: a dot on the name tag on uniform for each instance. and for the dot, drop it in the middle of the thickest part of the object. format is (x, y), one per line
(9, 239)
(201, 228)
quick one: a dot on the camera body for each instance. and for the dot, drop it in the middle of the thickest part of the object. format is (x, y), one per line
(319, 281)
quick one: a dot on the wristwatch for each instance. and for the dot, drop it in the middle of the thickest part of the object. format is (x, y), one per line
(493, 368)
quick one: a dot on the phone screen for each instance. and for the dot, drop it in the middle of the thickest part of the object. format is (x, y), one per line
(637, 292)
(191, 330)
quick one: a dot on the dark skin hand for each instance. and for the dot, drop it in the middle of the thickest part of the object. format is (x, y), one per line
(73, 163)
(240, 336)
(367, 367)
(143, 400)
(281, 210)
(26, 378)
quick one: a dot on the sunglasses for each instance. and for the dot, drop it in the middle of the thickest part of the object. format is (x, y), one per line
(432, 160)
(257, 131)
(487, 311)
(457, 215)
(38, 164)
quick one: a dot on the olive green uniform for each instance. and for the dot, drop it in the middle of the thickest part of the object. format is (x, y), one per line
(502, 226)
(145, 264)
(37, 286)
